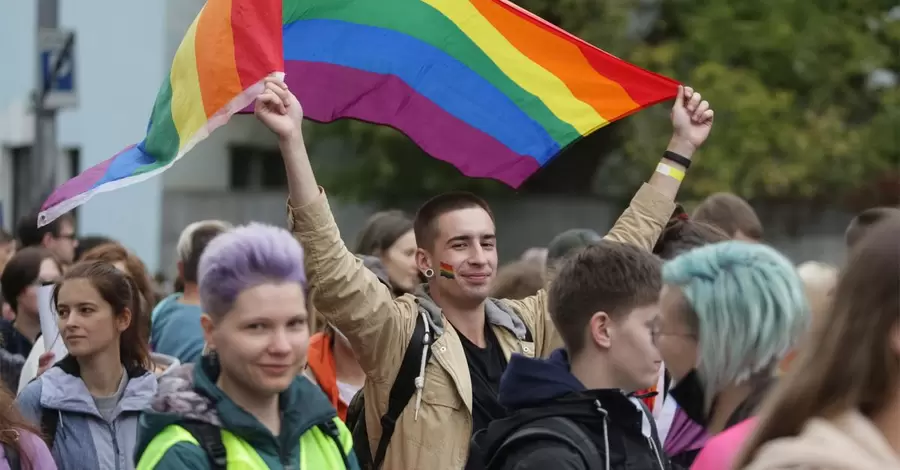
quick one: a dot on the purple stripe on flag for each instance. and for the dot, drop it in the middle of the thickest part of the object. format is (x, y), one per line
(329, 92)
(85, 181)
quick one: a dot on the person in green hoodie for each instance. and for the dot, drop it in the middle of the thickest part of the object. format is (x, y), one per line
(245, 405)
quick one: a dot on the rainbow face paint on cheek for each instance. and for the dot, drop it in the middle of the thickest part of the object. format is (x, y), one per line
(447, 271)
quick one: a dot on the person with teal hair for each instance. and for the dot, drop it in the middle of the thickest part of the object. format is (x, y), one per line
(730, 312)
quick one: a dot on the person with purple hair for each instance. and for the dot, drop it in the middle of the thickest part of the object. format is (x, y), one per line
(245, 403)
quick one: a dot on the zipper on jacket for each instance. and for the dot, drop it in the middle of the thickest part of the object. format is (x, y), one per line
(656, 453)
(115, 444)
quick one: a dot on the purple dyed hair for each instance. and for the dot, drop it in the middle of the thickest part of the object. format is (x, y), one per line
(245, 257)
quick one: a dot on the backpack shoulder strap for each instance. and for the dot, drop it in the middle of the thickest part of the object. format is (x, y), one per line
(12, 457)
(49, 424)
(404, 386)
(210, 439)
(553, 428)
(331, 429)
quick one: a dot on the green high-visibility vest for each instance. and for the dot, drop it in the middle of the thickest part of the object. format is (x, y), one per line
(317, 450)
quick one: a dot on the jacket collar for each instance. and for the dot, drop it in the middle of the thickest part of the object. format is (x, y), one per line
(62, 389)
(190, 392)
(497, 312)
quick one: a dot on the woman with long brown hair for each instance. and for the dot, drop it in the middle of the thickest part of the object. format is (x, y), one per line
(22, 446)
(88, 403)
(124, 260)
(839, 405)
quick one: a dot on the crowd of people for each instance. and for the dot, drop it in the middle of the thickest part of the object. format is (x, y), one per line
(676, 340)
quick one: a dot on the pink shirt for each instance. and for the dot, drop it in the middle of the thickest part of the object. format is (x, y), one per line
(721, 449)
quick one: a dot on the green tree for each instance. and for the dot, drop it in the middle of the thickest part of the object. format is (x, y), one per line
(805, 93)
(797, 112)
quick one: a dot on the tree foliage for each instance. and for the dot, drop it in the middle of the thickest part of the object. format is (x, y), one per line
(805, 92)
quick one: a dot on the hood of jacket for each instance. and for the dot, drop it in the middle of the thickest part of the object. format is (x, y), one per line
(849, 442)
(532, 389)
(190, 392)
(163, 363)
(62, 389)
(496, 312)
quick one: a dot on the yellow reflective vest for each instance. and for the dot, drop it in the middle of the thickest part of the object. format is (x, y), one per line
(317, 450)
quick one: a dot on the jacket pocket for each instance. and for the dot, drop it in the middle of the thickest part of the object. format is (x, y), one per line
(441, 415)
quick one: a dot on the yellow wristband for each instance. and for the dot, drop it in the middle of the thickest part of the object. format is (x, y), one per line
(670, 171)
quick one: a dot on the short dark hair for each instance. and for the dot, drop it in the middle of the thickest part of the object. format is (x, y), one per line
(683, 234)
(425, 223)
(23, 270)
(865, 220)
(200, 238)
(609, 277)
(29, 234)
(381, 231)
(731, 214)
(88, 243)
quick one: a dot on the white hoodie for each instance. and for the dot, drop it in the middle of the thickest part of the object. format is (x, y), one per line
(850, 442)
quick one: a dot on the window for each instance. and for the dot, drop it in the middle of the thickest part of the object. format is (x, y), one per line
(256, 168)
(21, 174)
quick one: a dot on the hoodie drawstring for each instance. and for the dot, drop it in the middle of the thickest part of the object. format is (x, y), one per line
(605, 431)
(420, 380)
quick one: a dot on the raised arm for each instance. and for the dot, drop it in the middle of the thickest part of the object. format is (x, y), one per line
(650, 209)
(346, 293)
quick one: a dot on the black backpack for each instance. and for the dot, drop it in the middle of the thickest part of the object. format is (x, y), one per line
(556, 428)
(402, 391)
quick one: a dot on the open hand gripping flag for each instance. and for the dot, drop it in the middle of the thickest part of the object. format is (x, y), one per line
(482, 84)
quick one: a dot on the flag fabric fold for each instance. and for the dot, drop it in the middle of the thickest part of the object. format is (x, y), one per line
(482, 84)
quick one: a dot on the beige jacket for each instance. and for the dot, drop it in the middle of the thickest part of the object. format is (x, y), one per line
(850, 442)
(379, 328)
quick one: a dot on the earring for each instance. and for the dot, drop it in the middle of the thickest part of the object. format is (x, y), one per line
(429, 273)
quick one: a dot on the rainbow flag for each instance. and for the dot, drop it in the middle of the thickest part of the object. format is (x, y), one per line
(482, 84)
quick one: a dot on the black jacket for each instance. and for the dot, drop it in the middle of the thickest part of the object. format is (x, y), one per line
(532, 389)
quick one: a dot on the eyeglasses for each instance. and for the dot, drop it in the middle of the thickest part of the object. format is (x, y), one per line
(70, 236)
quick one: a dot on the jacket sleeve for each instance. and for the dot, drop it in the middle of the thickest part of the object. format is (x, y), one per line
(640, 224)
(350, 296)
(541, 455)
(29, 402)
(180, 456)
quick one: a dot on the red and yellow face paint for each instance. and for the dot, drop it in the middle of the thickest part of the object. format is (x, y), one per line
(447, 271)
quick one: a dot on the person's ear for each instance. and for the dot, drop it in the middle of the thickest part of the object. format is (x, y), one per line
(424, 263)
(208, 325)
(599, 327)
(123, 321)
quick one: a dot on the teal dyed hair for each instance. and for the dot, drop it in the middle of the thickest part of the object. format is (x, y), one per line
(748, 305)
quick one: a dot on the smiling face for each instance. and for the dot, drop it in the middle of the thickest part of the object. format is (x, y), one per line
(466, 243)
(262, 340)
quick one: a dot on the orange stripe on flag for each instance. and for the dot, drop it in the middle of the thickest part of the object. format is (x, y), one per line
(561, 58)
(216, 67)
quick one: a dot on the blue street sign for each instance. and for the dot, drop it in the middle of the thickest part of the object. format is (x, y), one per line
(57, 68)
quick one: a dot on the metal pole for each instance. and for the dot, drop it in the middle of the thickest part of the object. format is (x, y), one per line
(45, 152)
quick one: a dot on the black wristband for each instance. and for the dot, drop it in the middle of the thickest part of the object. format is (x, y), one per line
(679, 159)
